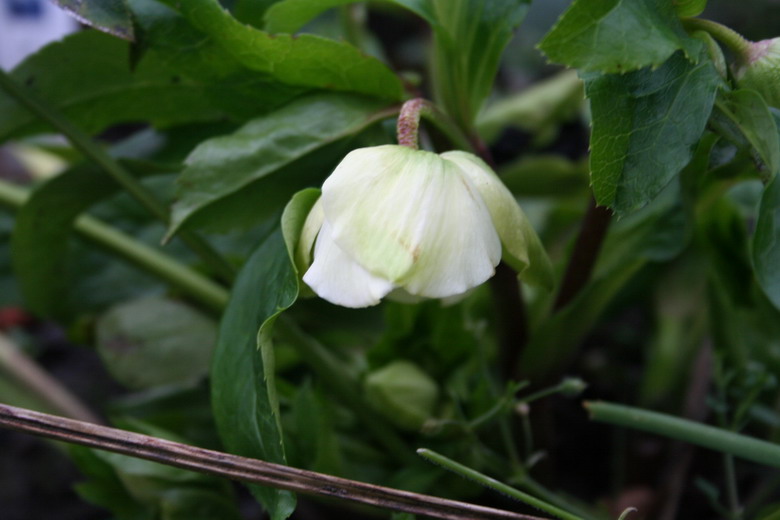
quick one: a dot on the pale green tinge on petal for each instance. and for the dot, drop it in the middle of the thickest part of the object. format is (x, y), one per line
(459, 247)
(307, 237)
(523, 250)
(337, 278)
(412, 218)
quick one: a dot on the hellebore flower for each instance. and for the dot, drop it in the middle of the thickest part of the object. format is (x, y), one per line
(394, 218)
(759, 70)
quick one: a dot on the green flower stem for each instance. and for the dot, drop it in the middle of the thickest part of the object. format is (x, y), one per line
(729, 37)
(86, 146)
(343, 385)
(711, 437)
(408, 128)
(484, 480)
(147, 258)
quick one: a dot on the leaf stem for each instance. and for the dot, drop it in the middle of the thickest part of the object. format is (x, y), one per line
(726, 35)
(408, 127)
(147, 258)
(749, 448)
(585, 253)
(82, 142)
(342, 384)
(491, 483)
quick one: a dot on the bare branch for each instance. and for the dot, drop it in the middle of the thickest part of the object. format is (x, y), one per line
(242, 468)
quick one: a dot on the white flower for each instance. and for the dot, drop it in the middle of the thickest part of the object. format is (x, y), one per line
(430, 225)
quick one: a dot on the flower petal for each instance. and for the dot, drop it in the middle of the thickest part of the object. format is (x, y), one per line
(337, 278)
(522, 248)
(412, 218)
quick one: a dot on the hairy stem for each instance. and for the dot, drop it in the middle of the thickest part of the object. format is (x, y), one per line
(408, 127)
(726, 35)
(83, 143)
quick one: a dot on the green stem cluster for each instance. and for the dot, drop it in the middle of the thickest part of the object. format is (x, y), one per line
(145, 257)
(83, 143)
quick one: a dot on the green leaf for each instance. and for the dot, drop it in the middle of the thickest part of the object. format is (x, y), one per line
(40, 241)
(243, 390)
(469, 38)
(288, 16)
(166, 88)
(688, 8)
(265, 162)
(111, 16)
(306, 60)
(645, 127)
(155, 341)
(251, 11)
(766, 242)
(743, 117)
(616, 36)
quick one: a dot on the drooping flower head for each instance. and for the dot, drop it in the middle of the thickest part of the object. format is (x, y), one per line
(392, 218)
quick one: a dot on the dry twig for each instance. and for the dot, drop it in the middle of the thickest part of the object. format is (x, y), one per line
(241, 468)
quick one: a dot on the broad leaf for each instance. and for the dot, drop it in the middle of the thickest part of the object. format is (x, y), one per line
(766, 243)
(40, 240)
(645, 126)
(616, 36)
(268, 160)
(306, 60)
(242, 382)
(111, 16)
(155, 341)
(166, 88)
(743, 117)
(290, 15)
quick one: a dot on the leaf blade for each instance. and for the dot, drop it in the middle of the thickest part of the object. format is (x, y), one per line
(261, 151)
(667, 108)
(585, 36)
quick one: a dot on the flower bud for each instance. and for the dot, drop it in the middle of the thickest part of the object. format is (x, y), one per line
(392, 218)
(403, 393)
(759, 70)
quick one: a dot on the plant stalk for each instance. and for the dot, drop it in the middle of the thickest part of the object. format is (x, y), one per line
(408, 126)
(342, 384)
(189, 281)
(718, 439)
(491, 483)
(82, 142)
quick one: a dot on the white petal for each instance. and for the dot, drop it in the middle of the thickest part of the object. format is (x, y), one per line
(521, 243)
(412, 218)
(337, 278)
